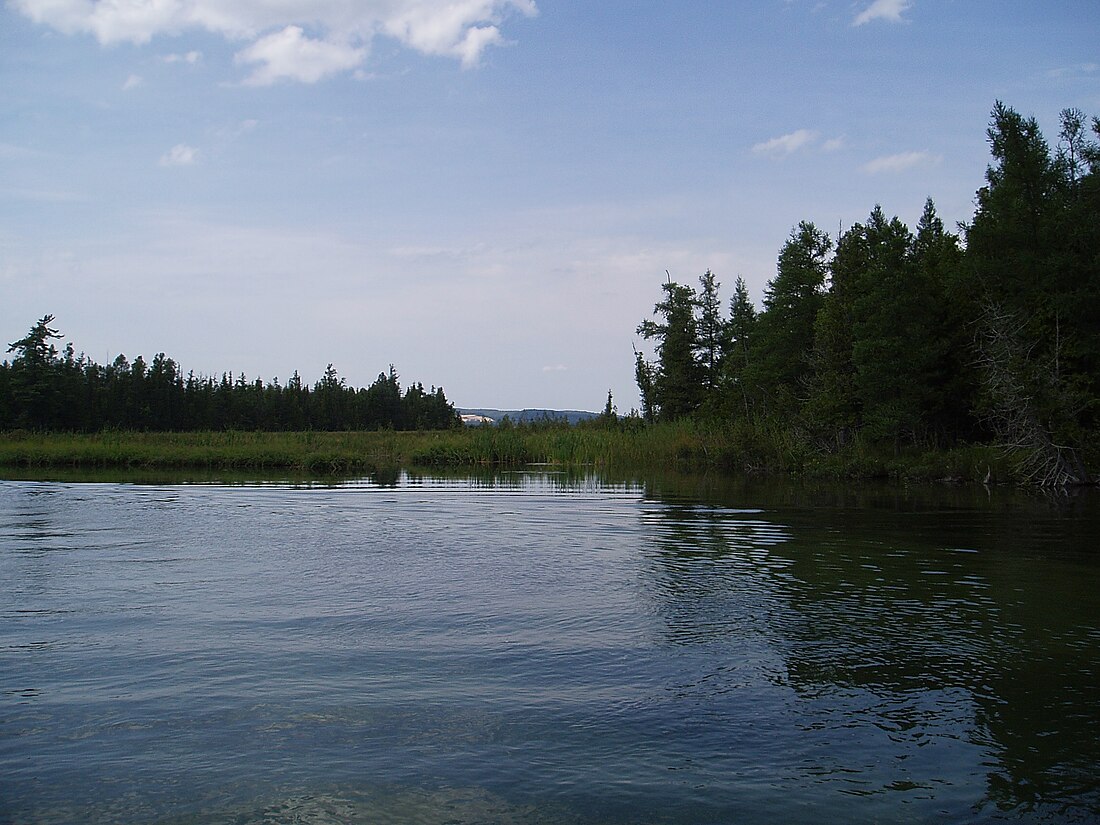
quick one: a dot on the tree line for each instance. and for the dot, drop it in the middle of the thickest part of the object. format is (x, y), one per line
(923, 339)
(42, 389)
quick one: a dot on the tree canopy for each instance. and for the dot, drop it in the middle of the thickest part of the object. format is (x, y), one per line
(42, 389)
(923, 338)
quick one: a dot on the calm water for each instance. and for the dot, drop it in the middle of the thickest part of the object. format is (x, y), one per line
(543, 649)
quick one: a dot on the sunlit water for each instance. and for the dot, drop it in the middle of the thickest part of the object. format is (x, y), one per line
(537, 649)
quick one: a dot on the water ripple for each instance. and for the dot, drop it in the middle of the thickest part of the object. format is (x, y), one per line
(536, 648)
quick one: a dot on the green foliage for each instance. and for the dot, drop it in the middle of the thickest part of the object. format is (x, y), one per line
(736, 358)
(675, 384)
(1033, 256)
(41, 389)
(915, 343)
(783, 340)
(713, 333)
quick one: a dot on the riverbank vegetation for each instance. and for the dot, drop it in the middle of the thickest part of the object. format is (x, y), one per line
(888, 343)
(626, 446)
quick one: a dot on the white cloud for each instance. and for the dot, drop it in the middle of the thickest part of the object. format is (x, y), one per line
(132, 82)
(291, 55)
(900, 162)
(833, 144)
(180, 155)
(1080, 70)
(555, 368)
(786, 144)
(891, 10)
(340, 31)
(191, 57)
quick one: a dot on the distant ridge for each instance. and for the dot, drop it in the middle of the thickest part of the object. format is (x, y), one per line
(521, 416)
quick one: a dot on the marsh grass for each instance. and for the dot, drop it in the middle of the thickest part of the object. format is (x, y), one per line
(680, 446)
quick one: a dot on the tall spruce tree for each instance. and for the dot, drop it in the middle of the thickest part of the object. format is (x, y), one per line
(783, 341)
(833, 410)
(740, 330)
(889, 331)
(1033, 255)
(712, 333)
(675, 382)
(34, 378)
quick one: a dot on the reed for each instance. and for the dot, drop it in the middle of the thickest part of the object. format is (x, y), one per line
(685, 446)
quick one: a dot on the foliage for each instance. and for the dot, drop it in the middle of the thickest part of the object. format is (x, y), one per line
(43, 390)
(898, 343)
(675, 384)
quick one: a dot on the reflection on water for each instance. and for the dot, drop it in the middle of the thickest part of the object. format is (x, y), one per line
(545, 647)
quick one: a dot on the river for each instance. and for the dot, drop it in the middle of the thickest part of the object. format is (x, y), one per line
(539, 647)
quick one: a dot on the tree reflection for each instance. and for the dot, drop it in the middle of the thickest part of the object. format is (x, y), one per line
(905, 622)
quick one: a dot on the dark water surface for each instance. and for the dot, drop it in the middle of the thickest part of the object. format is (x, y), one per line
(536, 648)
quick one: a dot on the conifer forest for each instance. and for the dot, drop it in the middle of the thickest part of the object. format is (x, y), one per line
(924, 338)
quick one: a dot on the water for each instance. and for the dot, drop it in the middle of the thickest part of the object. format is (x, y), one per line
(536, 648)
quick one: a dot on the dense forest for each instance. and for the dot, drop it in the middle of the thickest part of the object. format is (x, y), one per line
(915, 340)
(44, 390)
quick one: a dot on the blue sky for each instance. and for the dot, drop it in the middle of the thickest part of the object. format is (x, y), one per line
(485, 193)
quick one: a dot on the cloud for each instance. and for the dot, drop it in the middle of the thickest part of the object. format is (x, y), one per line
(275, 33)
(291, 55)
(132, 82)
(833, 145)
(786, 144)
(180, 155)
(1079, 70)
(191, 57)
(900, 162)
(556, 368)
(890, 10)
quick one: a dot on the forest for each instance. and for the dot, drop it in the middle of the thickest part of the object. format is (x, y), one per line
(42, 389)
(914, 340)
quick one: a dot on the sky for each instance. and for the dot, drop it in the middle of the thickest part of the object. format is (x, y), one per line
(484, 193)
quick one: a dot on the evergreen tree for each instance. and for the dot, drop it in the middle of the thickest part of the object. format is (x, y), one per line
(890, 333)
(676, 381)
(785, 329)
(44, 390)
(833, 408)
(737, 342)
(644, 375)
(712, 333)
(1033, 255)
(33, 382)
(938, 262)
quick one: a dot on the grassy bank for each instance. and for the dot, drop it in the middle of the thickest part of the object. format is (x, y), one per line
(685, 446)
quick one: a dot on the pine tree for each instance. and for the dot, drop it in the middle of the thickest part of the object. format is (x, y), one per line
(780, 359)
(675, 382)
(712, 334)
(738, 338)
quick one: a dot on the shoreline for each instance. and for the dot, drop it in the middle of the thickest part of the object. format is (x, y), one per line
(683, 447)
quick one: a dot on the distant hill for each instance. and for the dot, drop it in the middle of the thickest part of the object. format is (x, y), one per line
(518, 416)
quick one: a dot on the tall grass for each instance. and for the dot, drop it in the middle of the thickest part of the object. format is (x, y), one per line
(683, 445)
